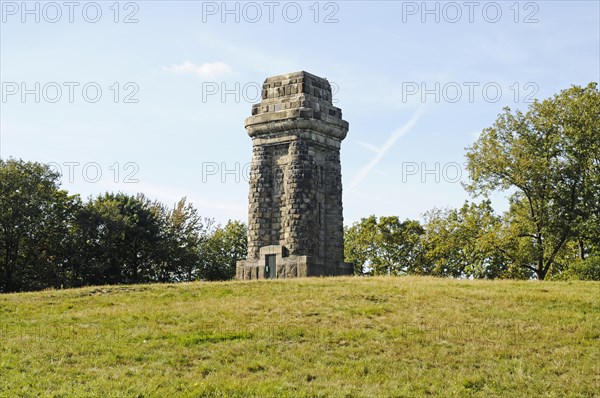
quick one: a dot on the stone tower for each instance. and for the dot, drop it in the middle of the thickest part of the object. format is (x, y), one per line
(295, 221)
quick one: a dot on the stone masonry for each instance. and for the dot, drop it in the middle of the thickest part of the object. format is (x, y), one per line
(295, 221)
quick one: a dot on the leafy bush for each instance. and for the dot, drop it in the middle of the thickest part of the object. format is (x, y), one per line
(585, 270)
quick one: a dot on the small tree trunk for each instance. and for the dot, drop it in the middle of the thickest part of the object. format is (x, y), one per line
(541, 274)
(539, 270)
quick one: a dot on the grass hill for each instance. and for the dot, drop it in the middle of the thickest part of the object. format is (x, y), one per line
(321, 337)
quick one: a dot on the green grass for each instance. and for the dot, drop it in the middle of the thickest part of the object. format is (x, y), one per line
(341, 337)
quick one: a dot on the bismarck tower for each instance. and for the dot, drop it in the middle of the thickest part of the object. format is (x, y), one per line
(295, 220)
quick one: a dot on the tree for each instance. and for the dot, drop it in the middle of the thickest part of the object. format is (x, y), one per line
(185, 235)
(130, 239)
(51, 239)
(35, 215)
(549, 157)
(223, 248)
(383, 246)
(582, 269)
(469, 242)
(120, 237)
(360, 244)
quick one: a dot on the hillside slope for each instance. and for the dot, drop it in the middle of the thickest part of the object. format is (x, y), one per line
(346, 337)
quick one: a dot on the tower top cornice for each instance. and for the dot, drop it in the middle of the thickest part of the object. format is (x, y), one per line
(296, 101)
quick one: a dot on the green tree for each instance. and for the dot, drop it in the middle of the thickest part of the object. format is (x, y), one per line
(581, 269)
(130, 239)
(35, 216)
(549, 157)
(360, 243)
(185, 234)
(50, 239)
(120, 237)
(467, 242)
(223, 248)
(383, 246)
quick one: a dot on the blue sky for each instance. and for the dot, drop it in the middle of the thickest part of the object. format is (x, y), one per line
(416, 81)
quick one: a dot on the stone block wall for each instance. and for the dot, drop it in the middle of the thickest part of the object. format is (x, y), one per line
(295, 197)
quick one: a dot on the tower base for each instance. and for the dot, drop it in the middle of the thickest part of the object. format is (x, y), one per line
(276, 263)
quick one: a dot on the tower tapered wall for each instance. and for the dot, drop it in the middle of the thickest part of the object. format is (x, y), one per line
(295, 199)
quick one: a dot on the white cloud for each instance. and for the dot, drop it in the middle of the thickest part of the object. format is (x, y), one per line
(207, 69)
(267, 63)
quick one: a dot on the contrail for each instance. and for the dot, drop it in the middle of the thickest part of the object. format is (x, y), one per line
(380, 152)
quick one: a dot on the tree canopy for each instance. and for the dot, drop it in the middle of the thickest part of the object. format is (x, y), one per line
(549, 157)
(49, 238)
(548, 160)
